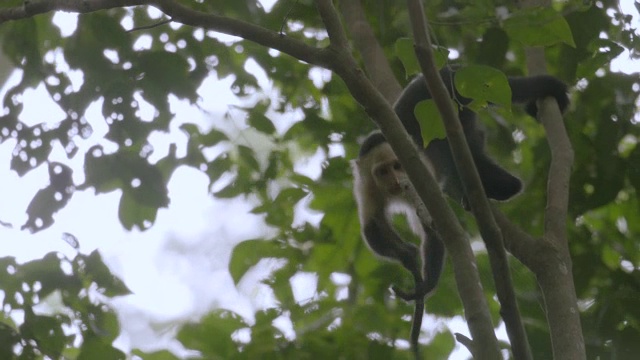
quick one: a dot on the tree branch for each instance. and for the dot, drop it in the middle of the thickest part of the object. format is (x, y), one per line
(373, 57)
(475, 193)
(554, 272)
(259, 35)
(518, 242)
(184, 15)
(35, 7)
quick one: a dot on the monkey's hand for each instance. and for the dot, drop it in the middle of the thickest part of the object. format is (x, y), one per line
(421, 290)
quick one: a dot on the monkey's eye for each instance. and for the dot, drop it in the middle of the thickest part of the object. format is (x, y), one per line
(382, 171)
(397, 165)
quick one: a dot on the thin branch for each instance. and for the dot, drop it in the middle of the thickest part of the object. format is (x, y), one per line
(286, 17)
(468, 343)
(480, 207)
(163, 22)
(373, 57)
(559, 171)
(35, 7)
(518, 242)
(248, 31)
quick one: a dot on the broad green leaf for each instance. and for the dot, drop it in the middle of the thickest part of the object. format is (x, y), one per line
(96, 348)
(261, 122)
(247, 156)
(606, 51)
(217, 167)
(483, 85)
(405, 52)
(132, 213)
(164, 73)
(212, 335)
(233, 189)
(440, 347)
(431, 125)
(96, 269)
(156, 355)
(539, 27)
(45, 330)
(49, 273)
(248, 253)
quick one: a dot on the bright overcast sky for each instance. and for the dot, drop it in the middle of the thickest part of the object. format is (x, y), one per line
(178, 268)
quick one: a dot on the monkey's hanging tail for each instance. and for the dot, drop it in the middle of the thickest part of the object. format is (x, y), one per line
(418, 312)
(416, 326)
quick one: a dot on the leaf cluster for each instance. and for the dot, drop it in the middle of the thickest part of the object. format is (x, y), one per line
(70, 287)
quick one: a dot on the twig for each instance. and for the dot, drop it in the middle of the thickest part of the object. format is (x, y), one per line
(163, 22)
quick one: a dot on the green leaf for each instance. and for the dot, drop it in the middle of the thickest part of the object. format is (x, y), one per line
(96, 348)
(156, 355)
(248, 157)
(213, 137)
(261, 122)
(232, 190)
(100, 273)
(483, 85)
(539, 27)
(248, 253)
(50, 199)
(164, 73)
(431, 126)
(132, 213)
(217, 167)
(440, 347)
(49, 273)
(605, 52)
(212, 335)
(46, 331)
(405, 52)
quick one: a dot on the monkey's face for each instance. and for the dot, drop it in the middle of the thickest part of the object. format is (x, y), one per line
(387, 171)
(388, 176)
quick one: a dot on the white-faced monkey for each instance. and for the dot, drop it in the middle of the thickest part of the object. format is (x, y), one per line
(378, 174)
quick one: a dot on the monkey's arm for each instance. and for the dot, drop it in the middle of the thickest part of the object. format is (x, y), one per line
(433, 254)
(385, 241)
(528, 90)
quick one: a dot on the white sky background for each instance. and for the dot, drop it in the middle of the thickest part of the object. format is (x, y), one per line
(177, 270)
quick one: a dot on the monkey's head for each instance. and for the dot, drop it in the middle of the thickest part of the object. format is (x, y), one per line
(378, 168)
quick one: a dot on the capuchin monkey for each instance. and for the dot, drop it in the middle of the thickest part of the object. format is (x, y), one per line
(378, 175)
(378, 190)
(379, 180)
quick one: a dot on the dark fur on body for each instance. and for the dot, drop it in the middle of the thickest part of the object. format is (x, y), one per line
(498, 183)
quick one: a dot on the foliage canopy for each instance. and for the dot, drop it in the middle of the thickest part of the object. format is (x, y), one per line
(116, 61)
